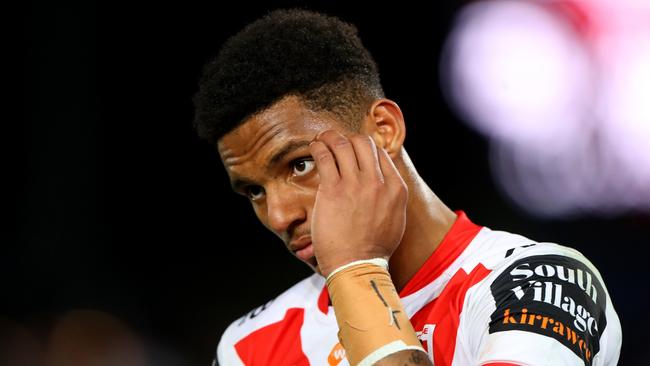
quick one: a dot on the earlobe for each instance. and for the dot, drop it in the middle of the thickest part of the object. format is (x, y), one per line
(385, 124)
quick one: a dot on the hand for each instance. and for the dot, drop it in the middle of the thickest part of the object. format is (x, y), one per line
(360, 208)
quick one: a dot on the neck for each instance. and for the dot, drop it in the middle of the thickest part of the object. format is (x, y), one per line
(427, 222)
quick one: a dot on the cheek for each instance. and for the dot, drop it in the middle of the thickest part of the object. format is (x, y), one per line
(311, 182)
(308, 188)
(308, 195)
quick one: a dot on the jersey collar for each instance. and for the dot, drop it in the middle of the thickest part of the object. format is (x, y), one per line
(453, 244)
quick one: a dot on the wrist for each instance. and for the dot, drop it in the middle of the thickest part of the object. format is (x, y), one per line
(380, 262)
(328, 263)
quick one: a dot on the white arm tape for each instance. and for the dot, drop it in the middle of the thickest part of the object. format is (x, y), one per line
(386, 350)
(376, 261)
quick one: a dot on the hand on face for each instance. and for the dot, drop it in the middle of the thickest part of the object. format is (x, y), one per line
(360, 207)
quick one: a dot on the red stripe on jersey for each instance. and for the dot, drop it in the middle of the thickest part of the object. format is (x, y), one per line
(275, 344)
(501, 364)
(444, 314)
(462, 232)
(324, 301)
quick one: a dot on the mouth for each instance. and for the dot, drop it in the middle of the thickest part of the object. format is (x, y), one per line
(303, 249)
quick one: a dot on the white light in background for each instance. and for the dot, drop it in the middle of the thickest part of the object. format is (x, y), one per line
(562, 88)
(626, 103)
(517, 71)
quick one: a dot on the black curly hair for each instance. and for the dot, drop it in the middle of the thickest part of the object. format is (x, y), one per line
(317, 57)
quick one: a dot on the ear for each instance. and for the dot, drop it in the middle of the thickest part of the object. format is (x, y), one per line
(385, 124)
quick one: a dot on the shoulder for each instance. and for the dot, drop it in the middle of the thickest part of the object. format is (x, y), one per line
(548, 293)
(514, 258)
(281, 315)
(497, 250)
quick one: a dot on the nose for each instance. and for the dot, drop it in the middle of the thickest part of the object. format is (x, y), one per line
(284, 209)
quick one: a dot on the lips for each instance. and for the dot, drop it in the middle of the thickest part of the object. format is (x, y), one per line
(305, 253)
(302, 248)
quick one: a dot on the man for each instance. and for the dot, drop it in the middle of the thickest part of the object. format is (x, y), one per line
(296, 110)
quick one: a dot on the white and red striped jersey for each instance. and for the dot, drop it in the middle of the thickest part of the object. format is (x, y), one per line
(484, 297)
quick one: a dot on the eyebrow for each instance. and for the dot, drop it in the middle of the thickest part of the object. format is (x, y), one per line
(287, 149)
(239, 183)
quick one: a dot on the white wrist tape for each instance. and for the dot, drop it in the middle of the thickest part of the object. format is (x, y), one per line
(375, 261)
(386, 350)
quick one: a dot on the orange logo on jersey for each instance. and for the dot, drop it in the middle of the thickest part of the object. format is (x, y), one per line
(336, 355)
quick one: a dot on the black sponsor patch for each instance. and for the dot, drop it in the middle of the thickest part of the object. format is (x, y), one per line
(555, 296)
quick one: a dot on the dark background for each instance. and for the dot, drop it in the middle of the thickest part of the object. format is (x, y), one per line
(118, 207)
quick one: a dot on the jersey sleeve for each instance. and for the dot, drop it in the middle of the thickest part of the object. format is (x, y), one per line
(226, 352)
(549, 309)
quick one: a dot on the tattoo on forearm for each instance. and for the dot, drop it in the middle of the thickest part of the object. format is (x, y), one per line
(391, 311)
(417, 358)
(374, 287)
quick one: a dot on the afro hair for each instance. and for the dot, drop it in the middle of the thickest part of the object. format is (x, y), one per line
(313, 56)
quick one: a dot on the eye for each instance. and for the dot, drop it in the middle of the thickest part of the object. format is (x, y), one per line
(254, 193)
(302, 167)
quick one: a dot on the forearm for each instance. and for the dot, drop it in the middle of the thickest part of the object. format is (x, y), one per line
(373, 325)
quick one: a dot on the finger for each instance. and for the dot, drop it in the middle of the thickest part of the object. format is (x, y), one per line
(367, 158)
(343, 152)
(327, 171)
(388, 168)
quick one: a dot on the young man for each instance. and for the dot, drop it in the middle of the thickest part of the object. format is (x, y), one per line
(295, 108)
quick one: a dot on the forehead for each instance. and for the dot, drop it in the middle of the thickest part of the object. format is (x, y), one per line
(285, 122)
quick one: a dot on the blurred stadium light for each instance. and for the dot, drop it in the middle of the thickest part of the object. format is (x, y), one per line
(562, 90)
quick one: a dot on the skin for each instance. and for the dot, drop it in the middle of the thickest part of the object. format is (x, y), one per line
(310, 178)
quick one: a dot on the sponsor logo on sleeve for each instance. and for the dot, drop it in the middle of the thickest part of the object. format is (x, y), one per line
(337, 354)
(555, 296)
(254, 313)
